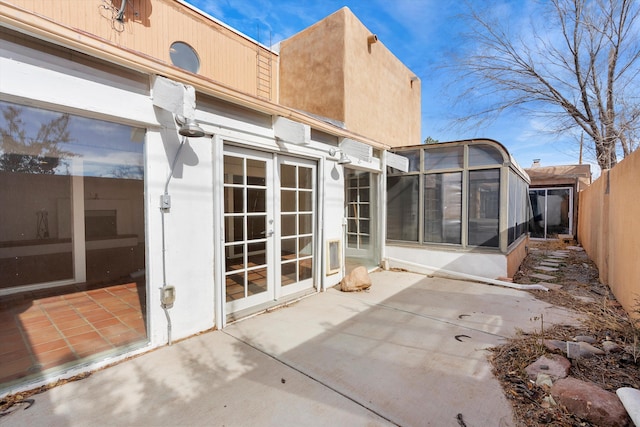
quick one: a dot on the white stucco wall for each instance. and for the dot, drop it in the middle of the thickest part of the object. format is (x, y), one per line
(483, 264)
(193, 230)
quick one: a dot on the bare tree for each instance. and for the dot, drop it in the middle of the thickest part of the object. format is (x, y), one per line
(21, 153)
(577, 68)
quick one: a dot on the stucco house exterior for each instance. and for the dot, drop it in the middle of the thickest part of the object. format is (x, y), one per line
(162, 174)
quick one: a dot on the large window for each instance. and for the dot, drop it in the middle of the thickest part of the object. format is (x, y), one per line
(402, 208)
(71, 191)
(452, 195)
(443, 207)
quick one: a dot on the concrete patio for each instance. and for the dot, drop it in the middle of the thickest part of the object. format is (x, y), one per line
(411, 351)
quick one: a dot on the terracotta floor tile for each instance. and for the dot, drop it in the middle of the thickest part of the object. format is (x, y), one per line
(12, 344)
(14, 355)
(40, 348)
(111, 321)
(78, 331)
(87, 337)
(31, 313)
(84, 349)
(135, 324)
(56, 357)
(116, 313)
(126, 311)
(39, 336)
(36, 323)
(16, 369)
(97, 316)
(63, 355)
(70, 324)
(126, 338)
(46, 300)
(10, 334)
(114, 330)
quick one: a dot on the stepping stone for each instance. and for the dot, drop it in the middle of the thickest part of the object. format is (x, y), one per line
(542, 276)
(549, 264)
(575, 248)
(554, 365)
(560, 254)
(545, 268)
(584, 299)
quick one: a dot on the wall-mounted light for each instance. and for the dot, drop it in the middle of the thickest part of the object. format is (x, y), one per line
(189, 127)
(372, 39)
(343, 160)
(413, 79)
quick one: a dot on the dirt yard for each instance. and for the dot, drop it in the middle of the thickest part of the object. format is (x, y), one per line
(604, 319)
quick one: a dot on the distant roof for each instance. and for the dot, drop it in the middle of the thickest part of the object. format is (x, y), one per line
(566, 171)
(560, 175)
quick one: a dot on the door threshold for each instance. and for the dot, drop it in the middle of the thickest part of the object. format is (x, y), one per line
(269, 306)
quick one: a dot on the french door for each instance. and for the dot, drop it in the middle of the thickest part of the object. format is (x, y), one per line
(269, 221)
(360, 196)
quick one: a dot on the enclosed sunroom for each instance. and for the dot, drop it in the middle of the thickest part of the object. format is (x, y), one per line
(461, 207)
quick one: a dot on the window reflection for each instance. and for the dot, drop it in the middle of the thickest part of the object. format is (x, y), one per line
(60, 173)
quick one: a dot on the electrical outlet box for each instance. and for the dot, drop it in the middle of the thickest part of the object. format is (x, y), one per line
(167, 296)
(165, 202)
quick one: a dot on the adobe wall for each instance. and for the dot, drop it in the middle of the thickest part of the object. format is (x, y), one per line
(330, 69)
(312, 68)
(608, 224)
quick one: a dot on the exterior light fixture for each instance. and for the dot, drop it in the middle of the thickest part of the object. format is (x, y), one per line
(189, 127)
(343, 160)
(372, 39)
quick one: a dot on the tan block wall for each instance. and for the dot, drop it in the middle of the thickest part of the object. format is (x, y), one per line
(150, 27)
(608, 229)
(330, 69)
(312, 69)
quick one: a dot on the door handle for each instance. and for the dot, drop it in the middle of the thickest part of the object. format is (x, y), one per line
(267, 233)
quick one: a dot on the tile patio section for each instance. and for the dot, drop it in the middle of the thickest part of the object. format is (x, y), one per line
(44, 333)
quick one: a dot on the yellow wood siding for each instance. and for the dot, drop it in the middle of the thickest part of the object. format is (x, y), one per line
(151, 26)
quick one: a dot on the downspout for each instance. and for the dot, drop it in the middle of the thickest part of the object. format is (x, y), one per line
(456, 275)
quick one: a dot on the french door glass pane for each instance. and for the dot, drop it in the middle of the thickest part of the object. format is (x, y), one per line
(245, 220)
(296, 203)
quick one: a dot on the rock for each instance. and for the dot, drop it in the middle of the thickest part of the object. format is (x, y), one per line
(630, 398)
(585, 338)
(611, 347)
(590, 402)
(584, 299)
(554, 345)
(357, 280)
(543, 379)
(548, 402)
(556, 367)
(587, 350)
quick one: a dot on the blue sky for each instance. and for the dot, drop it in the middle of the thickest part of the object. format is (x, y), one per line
(424, 35)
